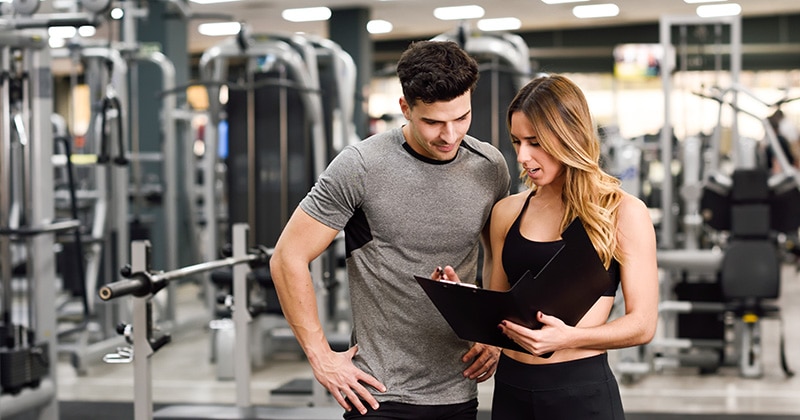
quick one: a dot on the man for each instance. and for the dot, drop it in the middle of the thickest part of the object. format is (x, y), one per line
(408, 199)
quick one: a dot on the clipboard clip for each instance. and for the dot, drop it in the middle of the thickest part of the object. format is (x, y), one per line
(458, 283)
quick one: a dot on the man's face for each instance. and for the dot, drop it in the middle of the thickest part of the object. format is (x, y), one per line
(436, 130)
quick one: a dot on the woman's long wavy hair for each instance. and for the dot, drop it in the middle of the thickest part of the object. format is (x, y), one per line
(560, 117)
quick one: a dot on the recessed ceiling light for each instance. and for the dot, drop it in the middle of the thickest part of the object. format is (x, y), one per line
(211, 1)
(719, 10)
(378, 26)
(499, 24)
(117, 13)
(458, 12)
(307, 14)
(561, 1)
(87, 31)
(219, 28)
(56, 42)
(595, 11)
(63, 32)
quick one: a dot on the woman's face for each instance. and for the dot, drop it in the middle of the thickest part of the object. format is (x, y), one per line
(541, 167)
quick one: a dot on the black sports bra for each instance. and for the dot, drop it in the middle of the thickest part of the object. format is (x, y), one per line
(521, 255)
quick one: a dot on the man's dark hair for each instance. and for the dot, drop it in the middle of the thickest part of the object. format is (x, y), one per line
(432, 71)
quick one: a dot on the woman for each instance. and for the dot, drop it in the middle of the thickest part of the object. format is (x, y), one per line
(558, 148)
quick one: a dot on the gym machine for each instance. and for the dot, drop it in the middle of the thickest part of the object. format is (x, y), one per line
(337, 73)
(28, 221)
(110, 73)
(278, 74)
(712, 298)
(754, 208)
(299, 128)
(274, 72)
(103, 200)
(143, 284)
(504, 66)
(27, 228)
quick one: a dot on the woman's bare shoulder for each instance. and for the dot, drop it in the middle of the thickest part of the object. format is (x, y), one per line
(511, 204)
(632, 206)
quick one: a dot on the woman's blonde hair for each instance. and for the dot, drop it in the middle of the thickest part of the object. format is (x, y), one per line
(560, 117)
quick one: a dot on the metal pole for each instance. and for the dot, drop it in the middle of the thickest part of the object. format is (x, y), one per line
(42, 210)
(5, 190)
(667, 219)
(142, 367)
(169, 163)
(252, 152)
(241, 317)
(283, 135)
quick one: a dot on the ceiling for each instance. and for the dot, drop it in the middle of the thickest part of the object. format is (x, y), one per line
(414, 18)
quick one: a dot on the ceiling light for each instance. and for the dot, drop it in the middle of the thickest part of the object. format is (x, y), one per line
(62, 32)
(219, 28)
(378, 26)
(56, 42)
(211, 1)
(561, 1)
(458, 12)
(307, 14)
(719, 10)
(117, 13)
(595, 11)
(87, 31)
(499, 24)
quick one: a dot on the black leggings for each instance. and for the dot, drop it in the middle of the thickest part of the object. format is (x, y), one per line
(577, 389)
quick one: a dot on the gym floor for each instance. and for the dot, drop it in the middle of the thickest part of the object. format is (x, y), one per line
(183, 374)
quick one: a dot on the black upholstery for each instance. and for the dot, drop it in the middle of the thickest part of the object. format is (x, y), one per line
(750, 269)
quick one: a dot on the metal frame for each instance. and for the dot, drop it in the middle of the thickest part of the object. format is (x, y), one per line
(36, 206)
(667, 238)
(144, 284)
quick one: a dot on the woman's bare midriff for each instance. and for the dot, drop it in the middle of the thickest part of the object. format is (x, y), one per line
(557, 357)
(597, 315)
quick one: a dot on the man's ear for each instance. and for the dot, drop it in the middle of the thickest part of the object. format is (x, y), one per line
(405, 108)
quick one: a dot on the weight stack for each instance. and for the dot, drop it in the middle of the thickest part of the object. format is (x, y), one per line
(23, 367)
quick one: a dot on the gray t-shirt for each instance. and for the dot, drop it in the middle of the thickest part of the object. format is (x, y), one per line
(403, 215)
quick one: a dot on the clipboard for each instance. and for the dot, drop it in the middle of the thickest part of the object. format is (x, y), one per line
(566, 287)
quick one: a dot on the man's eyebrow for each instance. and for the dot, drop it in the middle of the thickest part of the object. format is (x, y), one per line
(431, 120)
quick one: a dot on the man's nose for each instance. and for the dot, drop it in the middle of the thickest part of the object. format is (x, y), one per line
(449, 133)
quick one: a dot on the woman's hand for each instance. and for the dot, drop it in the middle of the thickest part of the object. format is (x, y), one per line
(549, 338)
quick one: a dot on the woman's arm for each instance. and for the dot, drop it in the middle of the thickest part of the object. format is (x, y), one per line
(639, 278)
(503, 215)
(639, 282)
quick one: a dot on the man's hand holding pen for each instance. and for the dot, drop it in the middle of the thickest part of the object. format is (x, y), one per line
(481, 357)
(439, 274)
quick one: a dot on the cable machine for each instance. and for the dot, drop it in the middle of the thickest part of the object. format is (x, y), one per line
(28, 223)
(720, 265)
(27, 228)
(116, 209)
(504, 66)
(282, 130)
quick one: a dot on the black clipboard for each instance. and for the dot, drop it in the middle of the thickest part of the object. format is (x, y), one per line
(566, 287)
